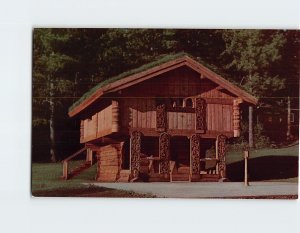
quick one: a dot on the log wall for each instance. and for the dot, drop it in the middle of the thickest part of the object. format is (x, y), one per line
(100, 124)
(109, 163)
(138, 103)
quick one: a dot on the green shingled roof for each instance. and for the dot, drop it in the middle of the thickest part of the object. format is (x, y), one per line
(160, 60)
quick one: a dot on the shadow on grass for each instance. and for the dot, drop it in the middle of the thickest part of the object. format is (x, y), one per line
(265, 168)
(89, 191)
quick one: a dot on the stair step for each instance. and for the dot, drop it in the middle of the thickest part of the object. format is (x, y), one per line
(124, 176)
(183, 170)
(180, 177)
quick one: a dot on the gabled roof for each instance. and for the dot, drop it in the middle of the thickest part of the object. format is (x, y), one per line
(151, 70)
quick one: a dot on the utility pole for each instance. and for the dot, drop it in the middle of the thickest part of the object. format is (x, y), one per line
(288, 133)
(250, 126)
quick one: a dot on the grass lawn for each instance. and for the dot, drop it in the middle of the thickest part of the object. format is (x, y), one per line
(46, 182)
(234, 156)
(264, 164)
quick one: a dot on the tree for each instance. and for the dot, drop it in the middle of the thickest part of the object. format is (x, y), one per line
(250, 55)
(49, 83)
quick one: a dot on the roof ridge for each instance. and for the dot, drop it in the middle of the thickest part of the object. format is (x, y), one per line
(159, 60)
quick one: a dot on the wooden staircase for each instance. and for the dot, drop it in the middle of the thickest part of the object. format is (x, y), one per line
(77, 170)
(182, 174)
(70, 173)
(124, 176)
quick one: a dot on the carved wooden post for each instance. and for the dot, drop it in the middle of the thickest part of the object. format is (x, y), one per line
(200, 105)
(161, 118)
(221, 153)
(236, 117)
(135, 150)
(81, 131)
(164, 154)
(195, 154)
(115, 116)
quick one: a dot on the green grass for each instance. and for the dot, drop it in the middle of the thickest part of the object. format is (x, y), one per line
(46, 176)
(265, 164)
(236, 156)
(46, 182)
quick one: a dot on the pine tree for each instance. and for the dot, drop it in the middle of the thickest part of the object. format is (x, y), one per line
(49, 83)
(250, 55)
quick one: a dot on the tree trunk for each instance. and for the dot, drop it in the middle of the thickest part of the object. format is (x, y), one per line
(251, 126)
(288, 132)
(51, 125)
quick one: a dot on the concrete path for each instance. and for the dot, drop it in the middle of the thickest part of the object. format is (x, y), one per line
(206, 189)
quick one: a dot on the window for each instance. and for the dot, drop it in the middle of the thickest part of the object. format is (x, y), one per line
(189, 103)
(179, 102)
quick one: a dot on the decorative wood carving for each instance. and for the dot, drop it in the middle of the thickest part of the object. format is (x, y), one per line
(164, 153)
(161, 117)
(115, 116)
(200, 115)
(81, 131)
(236, 117)
(195, 153)
(221, 154)
(181, 109)
(135, 151)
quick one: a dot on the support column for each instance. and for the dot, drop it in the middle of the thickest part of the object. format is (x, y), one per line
(164, 154)
(135, 151)
(200, 115)
(195, 154)
(221, 155)
(81, 131)
(161, 118)
(251, 126)
(115, 116)
(288, 132)
(236, 117)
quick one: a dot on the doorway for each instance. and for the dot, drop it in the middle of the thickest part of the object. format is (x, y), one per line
(180, 151)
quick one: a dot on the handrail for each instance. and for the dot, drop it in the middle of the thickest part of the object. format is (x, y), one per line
(66, 162)
(75, 154)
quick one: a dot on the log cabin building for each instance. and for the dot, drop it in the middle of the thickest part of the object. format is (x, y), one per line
(157, 123)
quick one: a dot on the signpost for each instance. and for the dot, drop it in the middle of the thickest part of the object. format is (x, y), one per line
(246, 156)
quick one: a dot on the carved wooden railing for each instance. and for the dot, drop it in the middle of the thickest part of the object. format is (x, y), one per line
(66, 162)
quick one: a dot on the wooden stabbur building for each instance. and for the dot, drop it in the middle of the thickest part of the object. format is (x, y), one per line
(157, 122)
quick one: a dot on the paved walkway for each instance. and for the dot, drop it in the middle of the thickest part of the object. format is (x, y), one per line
(207, 189)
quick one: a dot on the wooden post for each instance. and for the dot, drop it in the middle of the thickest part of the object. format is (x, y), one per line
(288, 133)
(65, 170)
(221, 155)
(115, 116)
(164, 154)
(246, 156)
(251, 126)
(195, 167)
(236, 117)
(81, 131)
(89, 156)
(200, 113)
(135, 152)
